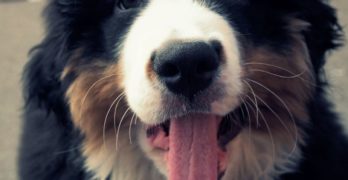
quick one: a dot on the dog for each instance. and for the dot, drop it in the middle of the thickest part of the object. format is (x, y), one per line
(182, 90)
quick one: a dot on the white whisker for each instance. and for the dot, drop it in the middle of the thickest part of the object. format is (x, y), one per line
(249, 119)
(282, 122)
(293, 75)
(256, 104)
(115, 113)
(130, 128)
(105, 120)
(277, 75)
(89, 90)
(119, 127)
(283, 103)
(270, 65)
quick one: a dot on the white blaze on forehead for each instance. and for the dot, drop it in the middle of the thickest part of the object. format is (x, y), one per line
(160, 22)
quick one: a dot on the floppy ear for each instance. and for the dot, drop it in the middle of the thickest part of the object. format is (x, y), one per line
(324, 33)
(42, 87)
(65, 20)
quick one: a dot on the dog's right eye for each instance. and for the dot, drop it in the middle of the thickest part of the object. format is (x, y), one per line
(128, 4)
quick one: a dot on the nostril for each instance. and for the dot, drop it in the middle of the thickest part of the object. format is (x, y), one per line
(168, 70)
(153, 56)
(206, 67)
(217, 46)
(164, 69)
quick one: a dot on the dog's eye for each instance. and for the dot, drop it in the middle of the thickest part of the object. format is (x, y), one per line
(128, 4)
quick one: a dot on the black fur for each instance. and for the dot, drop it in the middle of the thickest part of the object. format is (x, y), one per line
(50, 143)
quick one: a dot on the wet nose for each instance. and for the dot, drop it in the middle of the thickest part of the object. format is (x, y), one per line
(187, 68)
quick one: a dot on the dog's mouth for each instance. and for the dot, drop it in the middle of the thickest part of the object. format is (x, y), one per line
(194, 146)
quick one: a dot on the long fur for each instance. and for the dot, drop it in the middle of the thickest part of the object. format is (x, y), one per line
(77, 122)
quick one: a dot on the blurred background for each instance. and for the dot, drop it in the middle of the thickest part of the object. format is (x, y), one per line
(21, 27)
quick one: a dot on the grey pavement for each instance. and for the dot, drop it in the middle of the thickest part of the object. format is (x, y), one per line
(21, 28)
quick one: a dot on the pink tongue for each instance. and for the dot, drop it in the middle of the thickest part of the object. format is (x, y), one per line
(193, 153)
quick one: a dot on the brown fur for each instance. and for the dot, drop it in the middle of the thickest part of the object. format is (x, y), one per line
(272, 137)
(91, 98)
(287, 74)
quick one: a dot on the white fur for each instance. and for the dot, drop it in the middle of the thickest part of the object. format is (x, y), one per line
(257, 155)
(165, 20)
(127, 162)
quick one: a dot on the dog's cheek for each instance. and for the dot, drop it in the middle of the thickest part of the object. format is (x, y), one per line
(92, 97)
(278, 88)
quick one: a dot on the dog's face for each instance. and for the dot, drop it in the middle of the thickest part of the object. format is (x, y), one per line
(214, 89)
(180, 58)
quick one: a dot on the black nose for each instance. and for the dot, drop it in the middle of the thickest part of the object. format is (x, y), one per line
(187, 67)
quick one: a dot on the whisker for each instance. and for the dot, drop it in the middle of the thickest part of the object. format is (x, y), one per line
(241, 109)
(281, 68)
(130, 128)
(284, 125)
(120, 97)
(274, 113)
(251, 106)
(249, 119)
(105, 120)
(89, 90)
(136, 120)
(270, 65)
(278, 75)
(256, 104)
(283, 103)
(119, 127)
(268, 129)
(274, 94)
(270, 135)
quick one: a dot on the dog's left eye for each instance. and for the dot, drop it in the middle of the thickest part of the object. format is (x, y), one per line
(128, 4)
